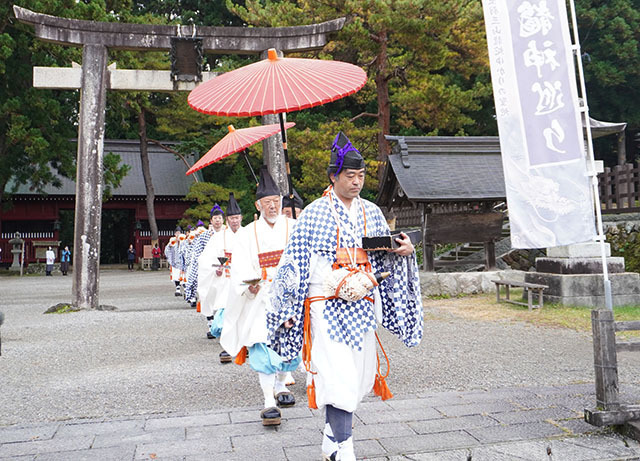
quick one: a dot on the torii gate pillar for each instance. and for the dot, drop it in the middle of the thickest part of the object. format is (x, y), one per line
(86, 255)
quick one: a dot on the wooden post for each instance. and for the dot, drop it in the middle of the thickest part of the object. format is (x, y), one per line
(86, 251)
(605, 360)
(489, 255)
(429, 259)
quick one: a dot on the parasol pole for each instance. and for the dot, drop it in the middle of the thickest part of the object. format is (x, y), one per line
(246, 159)
(283, 132)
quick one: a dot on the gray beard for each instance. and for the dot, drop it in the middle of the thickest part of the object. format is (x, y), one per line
(271, 220)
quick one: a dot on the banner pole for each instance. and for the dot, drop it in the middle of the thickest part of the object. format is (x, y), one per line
(590, 158)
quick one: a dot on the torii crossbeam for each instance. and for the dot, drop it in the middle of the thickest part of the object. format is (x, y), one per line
(94, 78)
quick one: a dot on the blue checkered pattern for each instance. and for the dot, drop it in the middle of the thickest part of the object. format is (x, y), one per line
(183, 249)
(316, 232)
(169, 253)
(197, 247)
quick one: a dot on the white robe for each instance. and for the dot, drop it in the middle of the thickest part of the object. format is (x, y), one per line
(245, 322)
(213, 290)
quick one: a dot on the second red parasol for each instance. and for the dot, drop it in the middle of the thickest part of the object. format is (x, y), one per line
(236, 141)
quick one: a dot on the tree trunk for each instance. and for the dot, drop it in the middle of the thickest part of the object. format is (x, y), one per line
(146, 174)
(384, 102)
(2, 187)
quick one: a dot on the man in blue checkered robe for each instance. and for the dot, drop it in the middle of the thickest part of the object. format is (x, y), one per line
(343, 354)
(216, 222)
(171, 253)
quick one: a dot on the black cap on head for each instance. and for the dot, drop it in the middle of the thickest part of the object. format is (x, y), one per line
(297, 201)
(216, 210)
(178, 229)
(267, 185)
(233, 208)
(344, 156)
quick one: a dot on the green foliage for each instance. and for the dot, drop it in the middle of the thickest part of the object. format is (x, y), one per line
(432, 55)
(610, 42)
(113, 173)
(624, 242)
(205, 195)
(61, 308)
(309, 153)
(36, 124)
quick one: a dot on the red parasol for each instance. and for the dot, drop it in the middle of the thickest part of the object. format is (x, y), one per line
(235, 141)
(276, 85)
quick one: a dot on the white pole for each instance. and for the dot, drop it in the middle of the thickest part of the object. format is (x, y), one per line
(590, 158)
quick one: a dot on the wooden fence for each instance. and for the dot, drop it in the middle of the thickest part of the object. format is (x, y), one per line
(609, 410)
(620, 189)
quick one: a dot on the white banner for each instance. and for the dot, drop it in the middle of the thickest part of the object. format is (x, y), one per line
(543, 154)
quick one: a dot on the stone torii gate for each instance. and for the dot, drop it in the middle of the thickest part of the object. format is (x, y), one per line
(94, 78)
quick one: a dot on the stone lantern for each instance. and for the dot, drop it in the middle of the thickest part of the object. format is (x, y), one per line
(16, 249)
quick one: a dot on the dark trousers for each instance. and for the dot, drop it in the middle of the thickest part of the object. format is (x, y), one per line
(155, 264)
(130, 264)
(340, 422)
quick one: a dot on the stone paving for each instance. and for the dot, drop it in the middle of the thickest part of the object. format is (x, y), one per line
(542, 423)
(148, 374)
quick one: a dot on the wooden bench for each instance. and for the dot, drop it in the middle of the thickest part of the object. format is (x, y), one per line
(145, 263)
(529, 288)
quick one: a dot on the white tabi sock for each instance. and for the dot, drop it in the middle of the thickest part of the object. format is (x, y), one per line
(346, 451)
(289, 381)
(267, 383)
(329, 444)
(281, 378)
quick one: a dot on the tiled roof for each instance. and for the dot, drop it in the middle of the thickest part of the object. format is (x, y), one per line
(444, 168)
(167, 172)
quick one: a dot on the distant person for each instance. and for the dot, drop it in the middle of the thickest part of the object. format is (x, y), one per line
(51, 258)
(155, 262)
(131, 256)
(287, 203)
(65, 260)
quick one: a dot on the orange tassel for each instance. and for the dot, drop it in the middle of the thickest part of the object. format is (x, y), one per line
(381, 389)
(242, 356)
(198, 307)
(264, 273)
(311, 395)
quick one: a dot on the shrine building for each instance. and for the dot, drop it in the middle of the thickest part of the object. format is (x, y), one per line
(47, 218)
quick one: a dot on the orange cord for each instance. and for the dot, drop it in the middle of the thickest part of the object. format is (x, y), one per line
(380, 387)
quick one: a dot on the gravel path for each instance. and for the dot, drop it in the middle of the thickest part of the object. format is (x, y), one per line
(151, 355)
